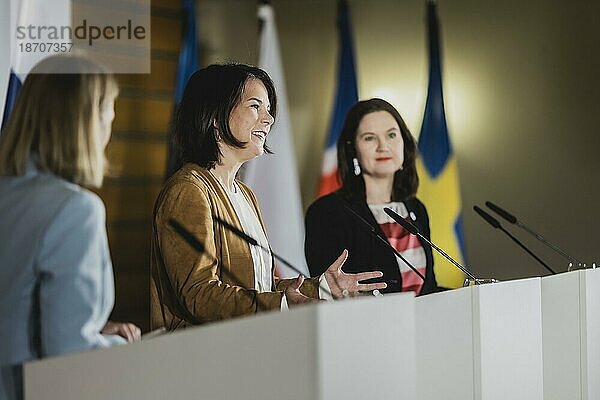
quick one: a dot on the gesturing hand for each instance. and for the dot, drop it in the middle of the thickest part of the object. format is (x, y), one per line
(126, 330)
(294, 296)
(343, 284)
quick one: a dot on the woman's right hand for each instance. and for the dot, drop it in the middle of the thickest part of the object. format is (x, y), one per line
(293, 295)
(348, 285)
(126, 330)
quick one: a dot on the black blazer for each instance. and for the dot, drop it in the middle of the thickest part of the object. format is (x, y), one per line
(331, 228)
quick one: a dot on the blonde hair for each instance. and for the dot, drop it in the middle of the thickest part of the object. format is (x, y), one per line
(56, 121)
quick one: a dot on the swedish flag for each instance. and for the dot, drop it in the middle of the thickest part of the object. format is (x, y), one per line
(439, 187)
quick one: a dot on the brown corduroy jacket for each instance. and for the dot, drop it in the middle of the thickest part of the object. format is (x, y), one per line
(190, 288)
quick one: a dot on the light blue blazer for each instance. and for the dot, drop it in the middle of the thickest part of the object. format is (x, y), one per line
(56, 280)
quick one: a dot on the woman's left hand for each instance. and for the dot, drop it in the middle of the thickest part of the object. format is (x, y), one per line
(126, 330)
(347, 285)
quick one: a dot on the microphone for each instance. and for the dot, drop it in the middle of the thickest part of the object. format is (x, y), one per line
(383, 240)
(494, 222)
(413, 230)
(252, 241)
(199, 247)
(513, 220)
(501, 212)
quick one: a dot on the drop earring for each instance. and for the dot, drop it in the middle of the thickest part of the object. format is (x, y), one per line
(356, 166)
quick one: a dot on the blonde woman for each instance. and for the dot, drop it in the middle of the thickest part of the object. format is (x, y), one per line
(56, 280)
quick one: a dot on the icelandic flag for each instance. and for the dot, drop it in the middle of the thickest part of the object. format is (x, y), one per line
(274, 177)
(439, 186)
(27, 13)
(346, 96)
(188, 64)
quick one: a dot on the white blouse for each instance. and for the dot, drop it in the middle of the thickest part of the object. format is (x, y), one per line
(261, 258)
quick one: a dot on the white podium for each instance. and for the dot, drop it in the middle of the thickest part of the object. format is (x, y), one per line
(571, 340)
(358, 349)
(481, 342)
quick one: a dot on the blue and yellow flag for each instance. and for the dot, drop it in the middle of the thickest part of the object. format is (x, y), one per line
(438, 173)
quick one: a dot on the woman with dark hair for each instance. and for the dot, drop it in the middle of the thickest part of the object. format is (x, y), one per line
(222, 122)
(376, 160)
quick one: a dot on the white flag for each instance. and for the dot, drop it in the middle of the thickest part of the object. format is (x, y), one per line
(274, 177)
(24, 47)
(34, 25)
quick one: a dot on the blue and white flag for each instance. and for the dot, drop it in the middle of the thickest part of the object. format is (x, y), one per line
(26, 18)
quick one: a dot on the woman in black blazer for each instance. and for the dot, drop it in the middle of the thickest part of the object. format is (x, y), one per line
(376, 159)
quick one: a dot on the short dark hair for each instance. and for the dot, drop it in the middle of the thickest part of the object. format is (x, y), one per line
(406, 180)
(202, 117)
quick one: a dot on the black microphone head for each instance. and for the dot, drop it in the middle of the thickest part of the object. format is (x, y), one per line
(357, 217)
(491, 220)
(187, 235)
(241, 234)
(501, 212)
(404, 223)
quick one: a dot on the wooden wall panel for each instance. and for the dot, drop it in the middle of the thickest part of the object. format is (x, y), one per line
(161, 78)
(130, 248)
(138, 153)
(129, 201)
(167, 4)
(137, 158)
(166, 34)
(128, 287)
(142, 114)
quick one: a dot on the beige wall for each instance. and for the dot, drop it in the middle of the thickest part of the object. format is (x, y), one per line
(521, 90)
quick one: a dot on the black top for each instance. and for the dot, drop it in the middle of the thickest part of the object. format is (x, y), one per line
(331, 228)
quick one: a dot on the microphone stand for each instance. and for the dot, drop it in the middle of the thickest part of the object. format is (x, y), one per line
(412, 229)
(513, 220)
(195, 243)
(252, 241)
(494, 222)
(372, 230)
